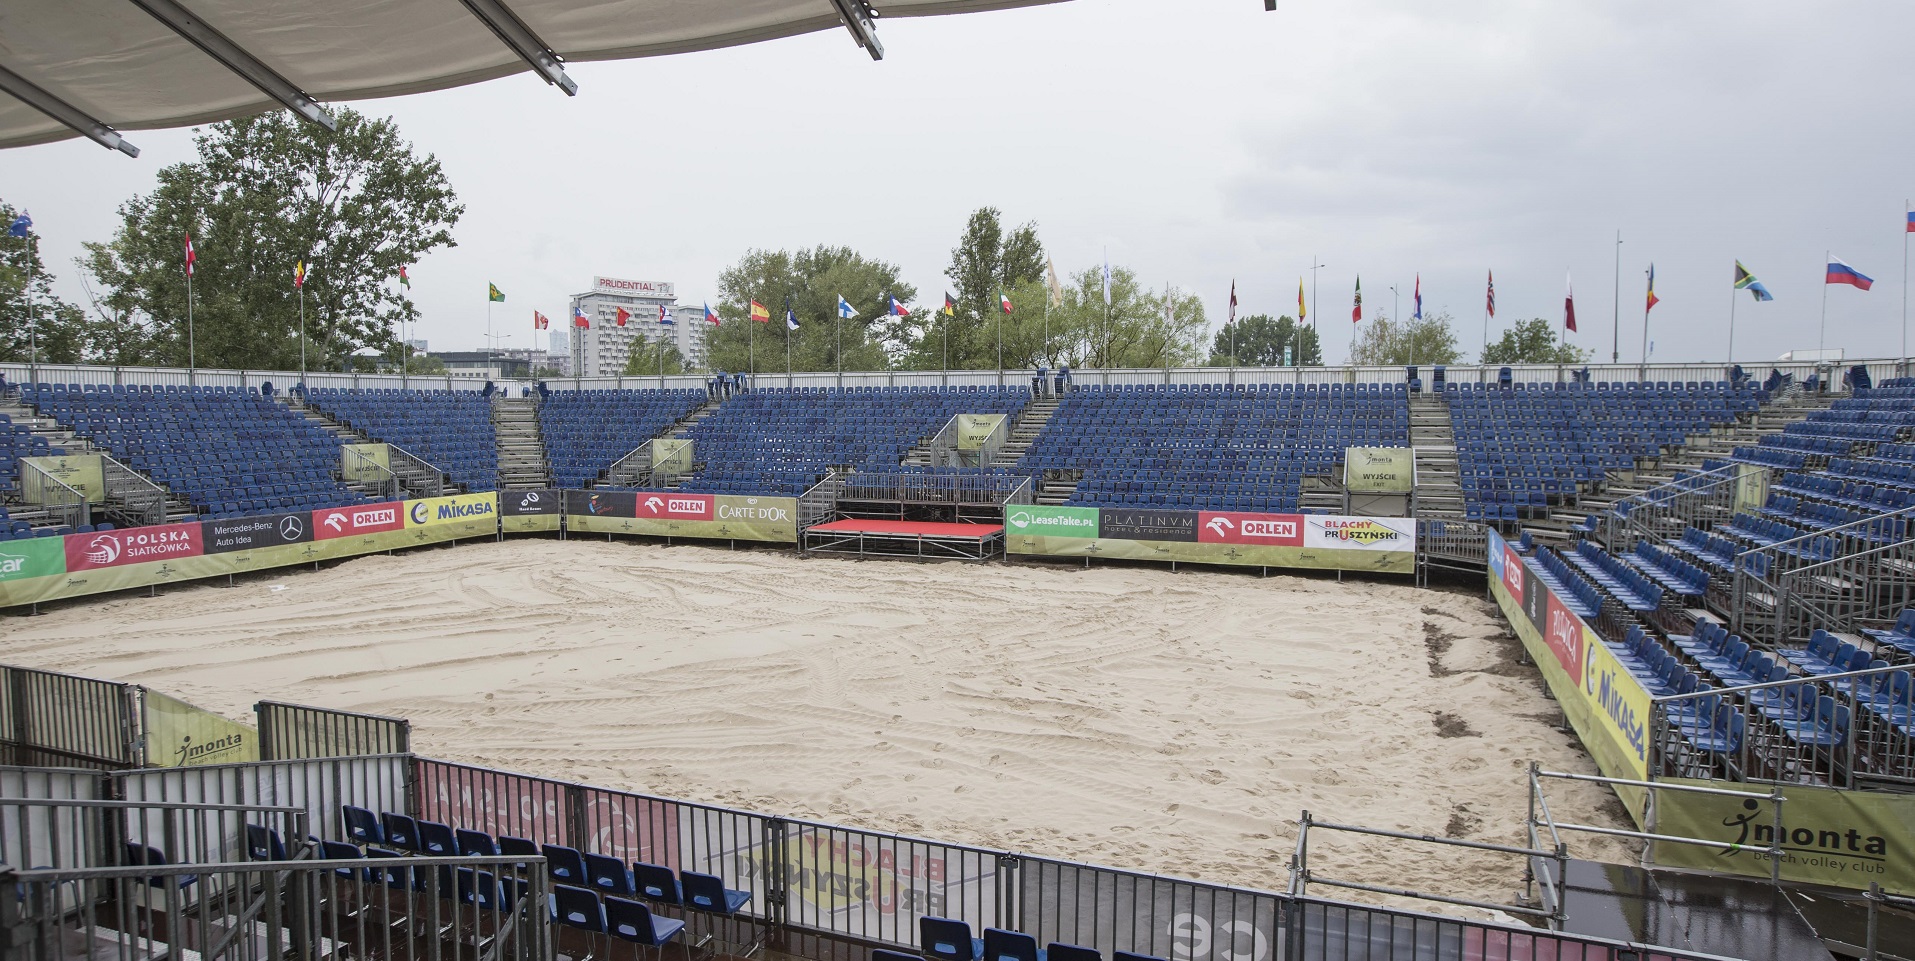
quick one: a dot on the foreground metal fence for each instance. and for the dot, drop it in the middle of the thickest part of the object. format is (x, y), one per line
(1661, 513)
(290, 731)
(48, 719)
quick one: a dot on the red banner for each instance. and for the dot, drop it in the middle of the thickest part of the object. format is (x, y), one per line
(334, 522)
(1564, 635)
(85, 552)
(631, 828)
(1513, 573)
(684, 507)
(1268, 530)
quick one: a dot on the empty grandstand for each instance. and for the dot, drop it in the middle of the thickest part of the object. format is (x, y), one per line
(451, 430)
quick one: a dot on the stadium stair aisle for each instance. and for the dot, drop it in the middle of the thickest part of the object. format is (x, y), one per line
(603, 438)
(522, 463)
(414, 479)
(1439, 495)
(1036, 414)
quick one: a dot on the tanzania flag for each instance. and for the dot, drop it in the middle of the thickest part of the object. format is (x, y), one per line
(492, 293)
(1746, 281)
(760, 313)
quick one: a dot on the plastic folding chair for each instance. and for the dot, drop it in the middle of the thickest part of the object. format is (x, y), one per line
(657, 883)
(579, 908)
(565, 865)
(944, 939)
(1056, 951)
(608, 876)
(1002, 945)
(362, 826)
(632, 921)
(401, 830)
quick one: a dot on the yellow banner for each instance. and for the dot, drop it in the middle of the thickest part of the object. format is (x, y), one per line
(1751, 487)
(365, 462)
(975, 429)
(181, 735)
(1841, 838)
(1379, 470)
(85, 473)
(671, 455)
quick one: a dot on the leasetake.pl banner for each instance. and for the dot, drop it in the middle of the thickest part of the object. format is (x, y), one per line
(1384, 545)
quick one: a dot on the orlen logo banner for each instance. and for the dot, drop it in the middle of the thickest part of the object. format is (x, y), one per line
(136, 546)
(1272, 530)
(332, 522)
(684, 507)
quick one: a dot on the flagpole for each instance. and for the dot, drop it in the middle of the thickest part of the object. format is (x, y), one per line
(1822, 339)
(1733, 291)
(751, 340)
(33, 329)
(302, 331)
(1642, 373)
(1905, 232)
(192, 358)
(1615, 330)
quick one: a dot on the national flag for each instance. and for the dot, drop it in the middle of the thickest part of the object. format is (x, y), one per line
(24, 223)
(844, 309)
(1302, 314)
(1746, 281)
(299, 275)
(1569, 306)
(1911, 221)
(1051, 284)
(791, 316)
(492, 294)
(578, 317)
(665, 317)
(190, 256)
(621, 316)
(760, 313)
(540, 321)
(950, 306)
(1419, 296)
(404, 281)
(1107, 278)
(1653, 299)
(711, 316)
(1233, 302)
(897, 309)
(1004, 301)
(1356, 312)
(1492, 293)
(1842, 273)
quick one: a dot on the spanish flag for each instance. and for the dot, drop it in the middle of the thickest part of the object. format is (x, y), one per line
(760, 313)
(299, 275)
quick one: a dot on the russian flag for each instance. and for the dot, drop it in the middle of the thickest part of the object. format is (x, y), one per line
(1841, 273)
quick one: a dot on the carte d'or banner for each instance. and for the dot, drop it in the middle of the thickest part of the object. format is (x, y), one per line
(181, 735)
(678, 514)
(974, 429)
(434, 519)
(85, 473)
(1841, 838)
(365, 462)
(1210, 537)
(1379, 470)
(522, 512)
(1605, 704)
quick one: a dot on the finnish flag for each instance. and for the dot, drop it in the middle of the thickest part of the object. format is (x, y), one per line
(844, 309)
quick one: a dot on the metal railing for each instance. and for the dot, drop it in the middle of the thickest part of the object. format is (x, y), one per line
(292, 731)
(1542, 821)
(362, 468)
(1550, 911)
(933, 488)
(1448, 543)
(52, 719)
(49, 493)
(317, 786)
(1791, 731)
(1661, 513)
(136, 495)
(87, 832)
(1789, 589)
(819, 504)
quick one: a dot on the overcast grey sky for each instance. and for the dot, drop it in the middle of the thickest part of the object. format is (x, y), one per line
(1200, 141)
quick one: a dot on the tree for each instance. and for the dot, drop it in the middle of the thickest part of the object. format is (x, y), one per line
(649, 358)
(813, 280)
(33, 322)
(1259, 341)
(1533, 341)
(985, 262)
(1135, 330)
(268, 192)
(1384, 342)
(420, 363)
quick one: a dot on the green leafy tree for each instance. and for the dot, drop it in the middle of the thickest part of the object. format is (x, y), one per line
(653, 359)
(33, 322)
(268, 192)
(1257, 340)
(1135, 330)
(1383, 342)
(986, 261)
(1533, 341)
(813, 279)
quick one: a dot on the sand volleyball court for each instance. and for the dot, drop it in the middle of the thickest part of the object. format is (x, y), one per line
(1171, 722)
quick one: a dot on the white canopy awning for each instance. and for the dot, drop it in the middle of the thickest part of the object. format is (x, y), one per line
(133, 64)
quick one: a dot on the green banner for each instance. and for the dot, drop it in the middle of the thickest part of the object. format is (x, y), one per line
(181, 735)
(85, 473)
(365, 462)
(1037, 520)
(975, 429)
(1379, 470)
(1841, 838)
(30, 560)
(1231, 555)
(671, 455)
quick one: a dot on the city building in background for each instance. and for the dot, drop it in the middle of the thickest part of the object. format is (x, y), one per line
(602, 349)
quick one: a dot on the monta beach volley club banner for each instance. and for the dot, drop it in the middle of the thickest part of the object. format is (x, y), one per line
(1316, 541)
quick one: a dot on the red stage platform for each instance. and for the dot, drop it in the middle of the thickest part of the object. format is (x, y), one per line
(864, 537)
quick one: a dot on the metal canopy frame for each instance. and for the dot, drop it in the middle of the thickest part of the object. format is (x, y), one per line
(859, 18)
(235, 58)
(73, 117)
(521, 40)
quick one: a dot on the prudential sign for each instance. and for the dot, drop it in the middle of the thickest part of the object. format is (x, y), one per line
(1039, 521)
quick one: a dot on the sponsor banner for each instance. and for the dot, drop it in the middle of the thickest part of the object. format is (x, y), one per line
(250, 533)
(1379, 470)
(24, 560)
(331, 522)
(974, 429)
(671, 455)
(1360, 533)
(1605, 704)
(631, 828)
(665, 504)
(1112, 911)
(181, 735)
(1751, 487)
(365, 462)
(138, 545)
(1147, 524)
(1841, 838)
(85, 473)
(494, 802)
(530, 511)
(674, 514)
(1236, 555)
(1275, 530)
(1040, 521)
(482, 509)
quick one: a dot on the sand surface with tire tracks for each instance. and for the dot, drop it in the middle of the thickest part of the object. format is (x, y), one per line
(1130, 716)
